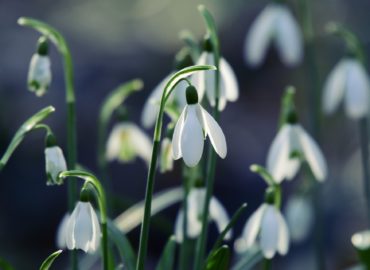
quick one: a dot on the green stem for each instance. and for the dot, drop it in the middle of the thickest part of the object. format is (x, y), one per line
(184, 248)
(364, 138)
(267, 264)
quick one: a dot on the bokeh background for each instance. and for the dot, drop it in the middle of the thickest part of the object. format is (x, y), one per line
(117, 40)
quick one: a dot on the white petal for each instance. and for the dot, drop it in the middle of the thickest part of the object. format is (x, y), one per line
(141, 143)
(192, 139)
(229, 80)
(259, 36)
(283, 237)
(70, 236)
(269, 232)
(61, 232)
(312, 154)
(210, 81)
(96, 233)
(198, 78)
(39, 72)
(334, 87)
(214, 131)
(113, 144)
(195, 201)
(357, 93)
(252, 227)
(176, 146)
(83, 230)
(54, 162)
(292, 168)
(288, 37)
(179, 227)
(151, 106)
(219, 215)
(278, 155)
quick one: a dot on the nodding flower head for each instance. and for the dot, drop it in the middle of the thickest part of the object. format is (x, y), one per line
(39, 73)
(193, 125)
(55, 162)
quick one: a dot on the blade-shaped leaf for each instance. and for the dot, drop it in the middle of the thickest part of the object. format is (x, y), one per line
(4, 265)
(49, 260)
(123, 245)
(219, 260)
(22, 131)
(167, 259)
(249, 259)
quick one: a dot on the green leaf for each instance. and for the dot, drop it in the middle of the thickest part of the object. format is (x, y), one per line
(22, 131)
(49, 260)
(133, 216)
(219, 260)
(4, 265)
(167, 259)
(249, 259)
(47, 30)
(123, 245)
(287, 105)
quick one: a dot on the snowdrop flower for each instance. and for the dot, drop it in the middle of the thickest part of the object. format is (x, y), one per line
(54, 163)
(291, 144)
(61, 232)
(195, 204)
(39, 73)
(83, 228)
(126, 142)
(193, 125)
(274, 25)
(267, 227)
(166, 162)
(299, 215)
(348, 81)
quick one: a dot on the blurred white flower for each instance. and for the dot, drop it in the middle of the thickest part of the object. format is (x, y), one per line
(348, 81)
(268, 225)
(289, 147)
(83, 228)
(126, 142)
(54, 163)
(274, 25)
(166, 161)
(193, 125)
(299, 216)
(195, 204)
(229, 89)
(39, 74)
(61, 232)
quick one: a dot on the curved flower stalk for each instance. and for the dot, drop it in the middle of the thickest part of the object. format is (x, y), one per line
(126, 142)
(82, 230)
(268, 228)
(347, 82)
(195, 206)
(229, 88)
(193, 125)
(275, 25)
(300, 217)
(39, 73)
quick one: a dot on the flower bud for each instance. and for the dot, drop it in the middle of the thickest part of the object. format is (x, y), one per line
(55, 164)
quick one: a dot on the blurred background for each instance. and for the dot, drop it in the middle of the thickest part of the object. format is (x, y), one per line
(117, 40)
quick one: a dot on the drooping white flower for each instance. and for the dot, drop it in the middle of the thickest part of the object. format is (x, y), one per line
(151, 106)
(289, 147)
(229, 89)
(126, 142)
(83, 228)
(274, 25)
(299, 216)
(166, 161)
(193, 125)
(54, 163)
(348, 81)
(195, 205)
(268, 229)
(61, 232)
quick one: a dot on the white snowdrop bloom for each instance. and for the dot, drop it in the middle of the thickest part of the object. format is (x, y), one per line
(166, 161)
(348, 81)
(61, 232)
(151, 106)
(274, 25)
(195, 204)
(83, 228)
(291, 145)
(268, 229)
(193, 125)
(229, 88)
(54, 163)
(126, 142)
(300, 217)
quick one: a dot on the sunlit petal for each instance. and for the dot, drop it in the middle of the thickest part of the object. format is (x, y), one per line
(229, 80)
(219, 215)
(176, 145)
(252, 226)
(269, 232)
